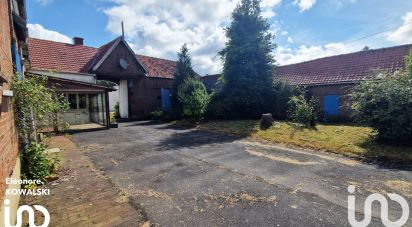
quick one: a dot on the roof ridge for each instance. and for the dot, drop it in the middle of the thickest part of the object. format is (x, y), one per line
(52, 41)
(97, 48)
(338, 55)
(165, 59)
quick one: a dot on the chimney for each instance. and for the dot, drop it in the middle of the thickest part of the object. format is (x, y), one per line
(78, 41)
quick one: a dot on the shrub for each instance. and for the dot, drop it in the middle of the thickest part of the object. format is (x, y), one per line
(36, 165)
(303, 111)
(281, 94)
(385, 104)
(156, 115)
(194, 98)
(30, 118)
(117, 110)
(275, 101)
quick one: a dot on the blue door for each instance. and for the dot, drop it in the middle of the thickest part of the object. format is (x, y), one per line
(165, 99)
(331, 105)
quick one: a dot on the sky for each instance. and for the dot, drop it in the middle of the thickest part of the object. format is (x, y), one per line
(303, 29)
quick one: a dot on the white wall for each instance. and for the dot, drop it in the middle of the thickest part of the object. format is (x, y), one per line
(113, 98)
(123, 99)
(87, 78)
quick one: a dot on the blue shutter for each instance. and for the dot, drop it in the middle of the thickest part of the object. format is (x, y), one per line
(331, 105)
(165, 99)
(16, 59)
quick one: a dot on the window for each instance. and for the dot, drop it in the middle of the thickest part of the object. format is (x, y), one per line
(72, 99)
(77, 101)
(82, 101)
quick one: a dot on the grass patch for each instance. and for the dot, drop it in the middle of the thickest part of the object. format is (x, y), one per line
(348, 140)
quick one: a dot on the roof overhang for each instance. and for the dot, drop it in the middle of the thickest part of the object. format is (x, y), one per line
(83, 85)
(112, 48)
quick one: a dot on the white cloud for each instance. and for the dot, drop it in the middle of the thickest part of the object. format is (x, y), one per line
(44, 2)
(404, 33)
(159, 28)
(285, 56)
(304, 4)
(38, 31)
(290, 40)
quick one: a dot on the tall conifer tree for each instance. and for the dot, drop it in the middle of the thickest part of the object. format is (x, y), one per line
(183, 71)
(248, 62)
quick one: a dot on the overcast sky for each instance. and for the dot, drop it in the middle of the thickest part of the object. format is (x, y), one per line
(304, 29)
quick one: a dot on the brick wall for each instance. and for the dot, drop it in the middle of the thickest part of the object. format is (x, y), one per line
(8, 136)
(342, 90)
(144, 96)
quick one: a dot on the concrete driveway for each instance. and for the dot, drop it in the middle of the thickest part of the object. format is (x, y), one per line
(184, 177)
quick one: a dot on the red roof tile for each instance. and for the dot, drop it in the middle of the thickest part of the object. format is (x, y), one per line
(344, 68)
(158, 67)
(63, 57)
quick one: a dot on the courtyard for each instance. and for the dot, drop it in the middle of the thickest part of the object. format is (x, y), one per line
(174, 176)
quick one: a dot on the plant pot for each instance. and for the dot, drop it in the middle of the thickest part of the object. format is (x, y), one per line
(114, 125)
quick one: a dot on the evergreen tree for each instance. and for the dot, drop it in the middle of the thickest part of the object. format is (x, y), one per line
(248, 63)
(183, 71)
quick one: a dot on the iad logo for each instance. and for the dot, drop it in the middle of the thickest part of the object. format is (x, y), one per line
(20, 211)
(384, 209)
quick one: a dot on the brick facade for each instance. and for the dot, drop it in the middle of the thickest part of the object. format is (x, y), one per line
(8, 133)
(144, 95)
(342, 90)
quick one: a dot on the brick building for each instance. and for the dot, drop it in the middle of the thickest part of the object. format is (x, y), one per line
(13, 52)
(143, 82)
(330, 79)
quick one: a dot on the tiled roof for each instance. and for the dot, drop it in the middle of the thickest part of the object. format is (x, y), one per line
(158, 67)
(346, 68)
(63, 57)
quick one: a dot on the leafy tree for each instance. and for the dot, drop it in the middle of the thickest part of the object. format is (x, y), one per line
(193, 95)
(183, 71)
(385, 104)
(408, 63)
(248, 63)
(303, 111)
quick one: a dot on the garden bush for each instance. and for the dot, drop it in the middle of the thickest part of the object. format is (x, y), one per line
(36, 165)
(194, 98)
(302, 110)
(385, 104)
(275, 101)
(30, 118)
(156, 115)
(281, 94)
(117, 110)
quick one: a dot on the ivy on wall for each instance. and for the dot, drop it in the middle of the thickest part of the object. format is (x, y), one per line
(36, 106)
